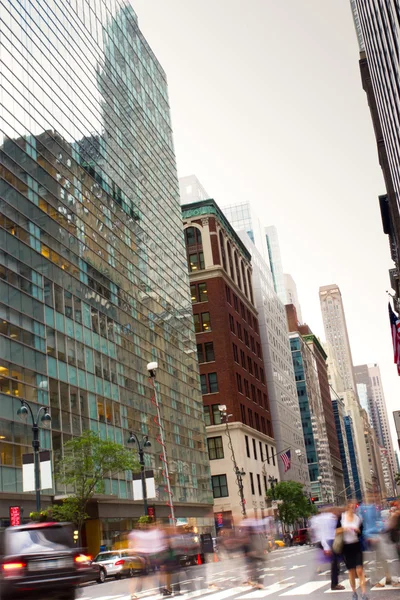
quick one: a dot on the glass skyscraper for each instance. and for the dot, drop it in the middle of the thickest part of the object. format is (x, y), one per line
(93, 271)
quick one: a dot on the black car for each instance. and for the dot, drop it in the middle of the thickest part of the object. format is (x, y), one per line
(39, 560)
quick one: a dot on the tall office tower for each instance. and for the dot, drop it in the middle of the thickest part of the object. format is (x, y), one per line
(309, 360)
(191, 190)
(336, 332)
(339, 414)
(291, 294)
(94, 277)
(231, 361)
(243, 218)
(377, 26)
(275, 262)
(370, 377)
(281, 384)
(348, 422)
(380, 482)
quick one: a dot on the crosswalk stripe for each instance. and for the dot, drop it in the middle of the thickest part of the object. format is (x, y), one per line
(271, 589)
(347, 587)
(226, 593)
(306, 588)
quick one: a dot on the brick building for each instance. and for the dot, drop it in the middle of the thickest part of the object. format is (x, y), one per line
(230, 355)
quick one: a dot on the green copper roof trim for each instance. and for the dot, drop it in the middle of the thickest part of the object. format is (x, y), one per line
(313, 338)
(210, 207)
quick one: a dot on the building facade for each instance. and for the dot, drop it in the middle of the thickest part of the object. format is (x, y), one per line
(377, 26)
(339, 414)
(275, 262)
(336, 332)
(279, 371)
(370, 376)
(242, 217)
(231, 361)
(348, 422)
(93, 270)
(191, 190)
(291, 295)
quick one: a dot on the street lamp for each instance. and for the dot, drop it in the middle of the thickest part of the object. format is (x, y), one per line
(239, 473)
(141, 445)
(23, 412)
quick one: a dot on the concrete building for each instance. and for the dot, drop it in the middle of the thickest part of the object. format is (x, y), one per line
(279, 371)
(377, 26)
(291, 295)
(94, 280)
(370, 377)
(378, 477)
(191, 190)
(336, 332)
(275, 262)
(230, 354)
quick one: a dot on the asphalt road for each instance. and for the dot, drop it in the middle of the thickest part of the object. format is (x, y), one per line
(287, 573)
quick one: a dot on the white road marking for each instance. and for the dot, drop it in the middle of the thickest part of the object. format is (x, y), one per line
(306, 588)
(271, 589)
(347, 587)
(296, 567)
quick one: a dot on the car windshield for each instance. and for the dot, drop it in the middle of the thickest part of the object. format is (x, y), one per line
(106, 556)
(46, 539)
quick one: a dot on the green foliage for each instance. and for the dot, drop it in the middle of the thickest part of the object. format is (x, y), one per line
(144, 519)
(39, 517)
(87, 462)
(397, 478)
(295, 505)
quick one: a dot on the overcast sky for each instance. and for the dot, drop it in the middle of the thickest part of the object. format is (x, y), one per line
(267, 106)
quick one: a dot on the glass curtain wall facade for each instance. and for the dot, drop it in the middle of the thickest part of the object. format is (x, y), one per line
(353, 456)
(93, 270)
(338, 411)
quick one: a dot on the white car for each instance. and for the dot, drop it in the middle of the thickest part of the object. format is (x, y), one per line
(117, 563)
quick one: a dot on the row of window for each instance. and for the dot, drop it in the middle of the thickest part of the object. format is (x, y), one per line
(198, 292)
(205, 352)
(246, 314)
(209, 383)
(212, 416)
(248, 339)
(202, 322)
(220, 485)
(239, 274)
(256, 395)
(263, 458)
(249, 365)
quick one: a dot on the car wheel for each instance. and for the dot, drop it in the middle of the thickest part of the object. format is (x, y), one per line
(131, 572)
(118, 576)
(102, 576)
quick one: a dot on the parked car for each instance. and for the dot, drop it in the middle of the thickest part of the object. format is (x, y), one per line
(300, 537)
(280, 543)
(118, 563)
(89, 571)
(38, 560)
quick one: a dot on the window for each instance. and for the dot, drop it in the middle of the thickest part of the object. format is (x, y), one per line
(202, 287)
(235, 353)
(209, 351)
(259, 485)
(250, 417)
(258, 350)
(221, 243)
(257, 417)
(252, 343)
(250, 365)
(246, 338)
(246, 439)
(243, 311)
(235, 303)
(259, 397)
(265, 401)
(262, 376)
(253, 393)
(232, 323)
(212, 383)
(255, 325)
(263, 425)
(196, 321)
(254, 448)
(207, 418)
(243, 413)
(216, 414)
(243, 359)
(193, 236)
(196, 262)
(265, 484)
(228, 294)
(239, 383)
(249, 318)
(202, 322)
(273, 457)
(219, 486)
(261, 452)
(203, 381)
(256, 373)
(247, 388)
(200, 353)
(215, 448)
(252, 483)
(239, 331)
(267, 452)
(193, 292)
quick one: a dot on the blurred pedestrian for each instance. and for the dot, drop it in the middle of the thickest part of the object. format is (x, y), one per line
(350, 526)
(326, 525)
(148, 542)
(255, 546)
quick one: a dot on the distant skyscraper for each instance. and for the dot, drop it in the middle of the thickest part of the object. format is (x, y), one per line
(243, 218)
(370, 377)
(336, 332)
(191, 190)
(275, 261)
(291, 294)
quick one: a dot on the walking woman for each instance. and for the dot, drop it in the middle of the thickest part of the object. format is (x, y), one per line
(350, 525)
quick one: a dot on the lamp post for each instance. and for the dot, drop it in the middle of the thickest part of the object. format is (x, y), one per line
(141, 445)
(272, 482)
(239, 473)
(23, 412)
(320, 479)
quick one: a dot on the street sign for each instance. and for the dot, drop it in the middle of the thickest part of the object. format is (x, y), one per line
(15, 516)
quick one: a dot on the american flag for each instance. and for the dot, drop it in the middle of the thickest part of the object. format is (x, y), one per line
(286, 459)
(395, 326)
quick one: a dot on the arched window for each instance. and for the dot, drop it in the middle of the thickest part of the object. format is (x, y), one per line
(244, 278)
(231, 269)
(221, 243)
(250, 286)
(239, 280)
(193, 236)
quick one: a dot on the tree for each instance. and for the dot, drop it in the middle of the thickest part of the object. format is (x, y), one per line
(294, 504)
(87, 462)
(397, 478)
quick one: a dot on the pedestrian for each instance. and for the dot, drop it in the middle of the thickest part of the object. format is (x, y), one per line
(318, 534)
(349, 526)
(373, 533)
(326, 525)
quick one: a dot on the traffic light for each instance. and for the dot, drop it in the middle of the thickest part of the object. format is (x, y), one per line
(76, 536)
(314, 499)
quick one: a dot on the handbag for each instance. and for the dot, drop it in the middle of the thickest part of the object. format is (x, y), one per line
(338, 543)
